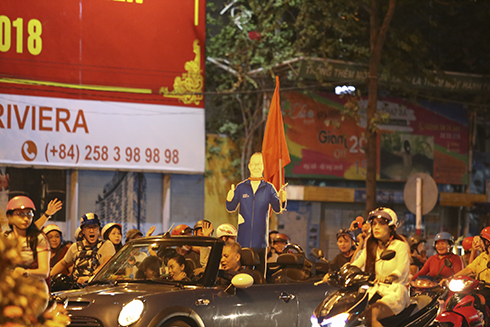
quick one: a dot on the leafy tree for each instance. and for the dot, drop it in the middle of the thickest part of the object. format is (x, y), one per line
(400, 38)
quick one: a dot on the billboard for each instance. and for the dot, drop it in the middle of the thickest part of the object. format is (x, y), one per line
(138, 62)
(417, 137)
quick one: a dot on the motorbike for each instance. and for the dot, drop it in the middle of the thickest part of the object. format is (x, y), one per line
(465, 305)
(346, 306)
(63, 282)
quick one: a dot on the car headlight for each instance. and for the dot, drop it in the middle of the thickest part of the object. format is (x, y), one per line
(335, 321)
(131, 312)
(457, 285)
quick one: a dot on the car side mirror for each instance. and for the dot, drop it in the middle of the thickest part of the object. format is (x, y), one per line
(387, 255)
(242, 281)
(239, 281)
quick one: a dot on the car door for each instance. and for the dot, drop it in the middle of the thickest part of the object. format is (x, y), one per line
(258, 305)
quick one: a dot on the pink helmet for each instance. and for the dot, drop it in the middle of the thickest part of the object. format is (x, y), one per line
(20, 202)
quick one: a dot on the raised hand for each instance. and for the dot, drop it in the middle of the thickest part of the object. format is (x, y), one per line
(53, 207)
(231, 193)
(207, 228)
(282, 193)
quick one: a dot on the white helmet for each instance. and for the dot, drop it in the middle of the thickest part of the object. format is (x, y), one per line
(226, 230)
(385, 213)
(77, 233)
(51, 227)
(107, 227)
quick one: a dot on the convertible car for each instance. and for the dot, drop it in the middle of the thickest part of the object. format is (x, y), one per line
(127, 292)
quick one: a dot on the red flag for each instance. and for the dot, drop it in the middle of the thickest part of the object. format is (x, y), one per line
(274, 146)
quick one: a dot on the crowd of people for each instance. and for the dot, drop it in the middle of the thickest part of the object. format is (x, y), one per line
(46, 254)
(362, 245)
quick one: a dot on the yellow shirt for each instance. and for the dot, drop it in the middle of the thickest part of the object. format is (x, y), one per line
(479, 267)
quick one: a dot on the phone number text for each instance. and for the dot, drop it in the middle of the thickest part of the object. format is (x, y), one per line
(105, 153)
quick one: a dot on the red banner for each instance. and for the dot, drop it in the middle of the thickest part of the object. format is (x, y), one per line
(116, 50)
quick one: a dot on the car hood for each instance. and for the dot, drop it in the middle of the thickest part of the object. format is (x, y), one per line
(121, 290)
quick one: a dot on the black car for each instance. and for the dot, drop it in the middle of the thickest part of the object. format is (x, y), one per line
(126, 293)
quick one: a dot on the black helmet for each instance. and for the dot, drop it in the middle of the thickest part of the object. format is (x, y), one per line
(346, 232)
(62, 282)
(415, 240)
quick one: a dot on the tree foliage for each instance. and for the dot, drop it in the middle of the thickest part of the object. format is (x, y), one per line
(423, 38)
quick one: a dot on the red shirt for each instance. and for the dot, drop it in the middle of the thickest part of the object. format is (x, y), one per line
(434, 264)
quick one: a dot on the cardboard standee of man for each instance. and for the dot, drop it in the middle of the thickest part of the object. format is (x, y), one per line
(254, 196)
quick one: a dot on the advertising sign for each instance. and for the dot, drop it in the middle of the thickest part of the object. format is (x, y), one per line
(41, 131)
(109, 84)
(116, 50)
(427, 137)
(337, 70)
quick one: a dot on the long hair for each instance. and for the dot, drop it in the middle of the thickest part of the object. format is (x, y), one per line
(372, 248)
(181, 260)
(106, 237)
(32, 233)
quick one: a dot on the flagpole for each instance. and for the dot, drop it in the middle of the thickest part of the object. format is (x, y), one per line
(280, 149)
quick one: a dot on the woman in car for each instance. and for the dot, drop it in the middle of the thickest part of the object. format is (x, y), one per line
(435, 266)
(391, 275)
(178, 268)
(149, 268)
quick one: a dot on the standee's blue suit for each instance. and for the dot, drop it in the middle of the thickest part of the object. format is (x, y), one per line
(254, 208)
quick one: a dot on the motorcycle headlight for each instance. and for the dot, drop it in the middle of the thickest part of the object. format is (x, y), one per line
(314, 321)
(131, 312)
(458, 285)
(335, 321)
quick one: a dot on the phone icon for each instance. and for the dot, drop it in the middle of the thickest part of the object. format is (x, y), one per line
(29, 151)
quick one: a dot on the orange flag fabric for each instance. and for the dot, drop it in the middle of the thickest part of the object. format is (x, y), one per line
(274, 146)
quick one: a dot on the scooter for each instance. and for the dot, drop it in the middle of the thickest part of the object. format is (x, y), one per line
(63, 282)
(346, 306)
(465, 306)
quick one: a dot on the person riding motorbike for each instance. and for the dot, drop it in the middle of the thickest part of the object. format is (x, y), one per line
(203, 228)
(392, 275)
(479, 265)
(226, 232)
(346, 241)
(279, 242)
(35, 251)
(435, 265)
(467, 247)
(113, 232)
(58, 247)
(89, 255)
(417, 245)
(477, 248)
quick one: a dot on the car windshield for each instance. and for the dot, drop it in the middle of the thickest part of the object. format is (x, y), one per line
(157, 260)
